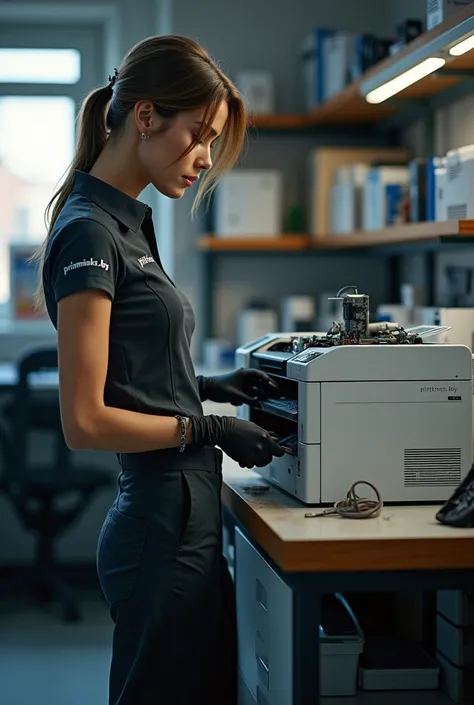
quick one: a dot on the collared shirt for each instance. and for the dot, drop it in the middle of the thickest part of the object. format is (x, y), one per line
(104, 239)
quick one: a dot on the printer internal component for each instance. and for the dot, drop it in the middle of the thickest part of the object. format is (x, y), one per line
(354, 329)
(286, 408)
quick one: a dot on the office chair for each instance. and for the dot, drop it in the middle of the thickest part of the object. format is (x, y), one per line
(35, 489)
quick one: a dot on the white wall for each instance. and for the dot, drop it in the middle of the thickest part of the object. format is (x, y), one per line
(136, 19)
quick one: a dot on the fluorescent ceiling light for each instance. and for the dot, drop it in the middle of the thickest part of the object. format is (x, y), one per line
(462, 47)
(399, 83)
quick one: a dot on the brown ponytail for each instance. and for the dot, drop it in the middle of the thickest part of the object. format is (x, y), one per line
(176, 74)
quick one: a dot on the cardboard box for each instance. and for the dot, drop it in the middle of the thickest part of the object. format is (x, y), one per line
(323, 163)
(438, 11)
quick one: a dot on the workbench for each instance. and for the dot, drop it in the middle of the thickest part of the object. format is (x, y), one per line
(403, 549)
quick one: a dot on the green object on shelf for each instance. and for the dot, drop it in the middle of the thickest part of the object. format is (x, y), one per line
(294, 222)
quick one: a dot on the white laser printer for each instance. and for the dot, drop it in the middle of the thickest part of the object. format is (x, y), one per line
(364, 402)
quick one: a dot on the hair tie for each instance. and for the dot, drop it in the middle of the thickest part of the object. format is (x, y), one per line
(113, 78)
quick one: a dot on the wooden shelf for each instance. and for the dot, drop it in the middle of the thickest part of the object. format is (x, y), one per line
(279, 122)
(350, 108)
(406, 234)
(210, 243)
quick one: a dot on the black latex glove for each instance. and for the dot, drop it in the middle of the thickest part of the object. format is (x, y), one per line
(243, 441)
(243, 386)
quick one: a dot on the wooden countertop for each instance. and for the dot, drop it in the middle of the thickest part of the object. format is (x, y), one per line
(401, 538)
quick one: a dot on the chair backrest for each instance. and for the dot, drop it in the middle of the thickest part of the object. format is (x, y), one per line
(29, 401)
(36, 360)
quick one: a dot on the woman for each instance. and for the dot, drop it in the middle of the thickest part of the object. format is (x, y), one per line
(127, 382)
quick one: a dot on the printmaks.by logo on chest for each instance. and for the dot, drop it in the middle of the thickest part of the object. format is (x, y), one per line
(146, 259)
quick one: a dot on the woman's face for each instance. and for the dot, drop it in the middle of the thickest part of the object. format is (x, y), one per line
(159, 152)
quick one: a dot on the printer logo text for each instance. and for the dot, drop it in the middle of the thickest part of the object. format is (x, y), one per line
(433, 390)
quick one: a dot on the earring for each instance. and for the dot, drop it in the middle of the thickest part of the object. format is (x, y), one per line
(144, 136)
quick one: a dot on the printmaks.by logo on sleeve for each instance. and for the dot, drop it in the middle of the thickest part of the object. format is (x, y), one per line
(86, 263)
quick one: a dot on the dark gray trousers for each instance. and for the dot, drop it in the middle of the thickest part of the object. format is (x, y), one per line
(161, 569)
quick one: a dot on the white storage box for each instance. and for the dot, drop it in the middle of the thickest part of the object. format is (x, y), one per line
(341, 643)
(347, 198)
(384, 191)
(257, 89)
(339, 664)
(249, 202)
(398, 679)
(255, 320)
(396, 664)
(459, 183)
(438, 11)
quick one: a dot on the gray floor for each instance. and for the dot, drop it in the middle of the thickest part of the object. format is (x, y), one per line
(46, 662)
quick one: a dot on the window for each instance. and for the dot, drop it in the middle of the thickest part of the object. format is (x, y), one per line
(36, 148)
(45, 72)
(40, 65)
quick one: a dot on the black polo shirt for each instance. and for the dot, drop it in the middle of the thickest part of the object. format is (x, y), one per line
(104, 239)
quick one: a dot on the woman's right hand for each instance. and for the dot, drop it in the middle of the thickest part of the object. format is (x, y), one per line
(250, 445)
(243, 441)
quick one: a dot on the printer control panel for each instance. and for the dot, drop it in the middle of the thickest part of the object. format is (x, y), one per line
(307, 355)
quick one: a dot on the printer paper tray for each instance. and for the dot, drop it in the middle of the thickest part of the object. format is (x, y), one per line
(280, 407)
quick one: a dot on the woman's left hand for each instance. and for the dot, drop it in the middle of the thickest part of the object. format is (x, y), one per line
(243, 386)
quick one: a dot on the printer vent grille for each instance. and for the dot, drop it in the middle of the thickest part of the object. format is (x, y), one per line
(432, 467)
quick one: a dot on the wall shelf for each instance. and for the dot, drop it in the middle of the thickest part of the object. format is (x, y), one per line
(283, 243)
(348, 116)
(407, 234)
(350, 107)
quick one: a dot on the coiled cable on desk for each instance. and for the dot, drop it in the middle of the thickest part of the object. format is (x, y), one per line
(353, 506)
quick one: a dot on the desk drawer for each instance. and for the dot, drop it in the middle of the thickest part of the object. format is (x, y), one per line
(456, 606)
(264, 616)
(455, 643)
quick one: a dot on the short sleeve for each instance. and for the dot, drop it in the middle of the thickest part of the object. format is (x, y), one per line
(83, 256)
